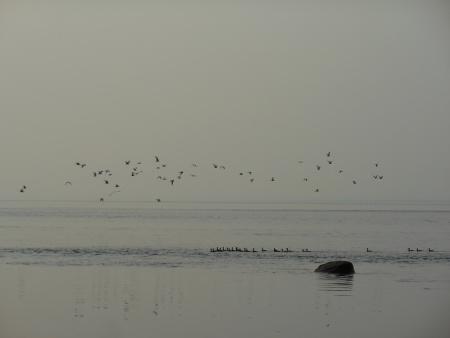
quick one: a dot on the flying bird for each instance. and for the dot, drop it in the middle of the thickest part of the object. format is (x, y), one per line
(68, 183)
(354, 182)
(318, 167)
(156, 158)
(329, 154)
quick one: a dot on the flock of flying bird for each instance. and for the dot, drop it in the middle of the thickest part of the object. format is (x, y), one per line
(135, 170)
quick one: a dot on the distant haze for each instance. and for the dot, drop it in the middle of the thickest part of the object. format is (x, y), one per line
(252, 85)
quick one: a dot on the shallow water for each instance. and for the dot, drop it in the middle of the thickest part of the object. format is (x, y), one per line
(117, 270)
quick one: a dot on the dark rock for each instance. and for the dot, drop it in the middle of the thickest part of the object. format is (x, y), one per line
(337, 267)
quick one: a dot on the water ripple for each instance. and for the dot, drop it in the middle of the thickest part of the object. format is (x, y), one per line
(174, 257)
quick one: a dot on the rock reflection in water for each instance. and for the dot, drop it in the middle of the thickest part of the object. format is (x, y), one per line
(339, 285)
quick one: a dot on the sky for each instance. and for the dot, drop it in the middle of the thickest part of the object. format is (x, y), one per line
(252, 85)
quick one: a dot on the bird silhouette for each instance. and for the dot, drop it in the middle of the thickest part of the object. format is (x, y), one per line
(318, 167)
(156, 158)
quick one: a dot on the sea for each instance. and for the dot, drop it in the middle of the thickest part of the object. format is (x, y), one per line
(144, 269)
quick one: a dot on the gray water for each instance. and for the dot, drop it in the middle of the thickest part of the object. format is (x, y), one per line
(146, 270)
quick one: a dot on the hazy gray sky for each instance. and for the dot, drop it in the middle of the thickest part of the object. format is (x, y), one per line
(250, 84)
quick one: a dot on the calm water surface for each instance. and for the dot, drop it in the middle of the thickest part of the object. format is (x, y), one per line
(146, 270)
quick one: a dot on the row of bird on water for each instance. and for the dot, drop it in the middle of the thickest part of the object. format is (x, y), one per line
(237, 249)
(136, 169)
(419, 250)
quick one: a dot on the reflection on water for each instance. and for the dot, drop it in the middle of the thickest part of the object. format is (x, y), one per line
(139, 302)
(339, 285)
